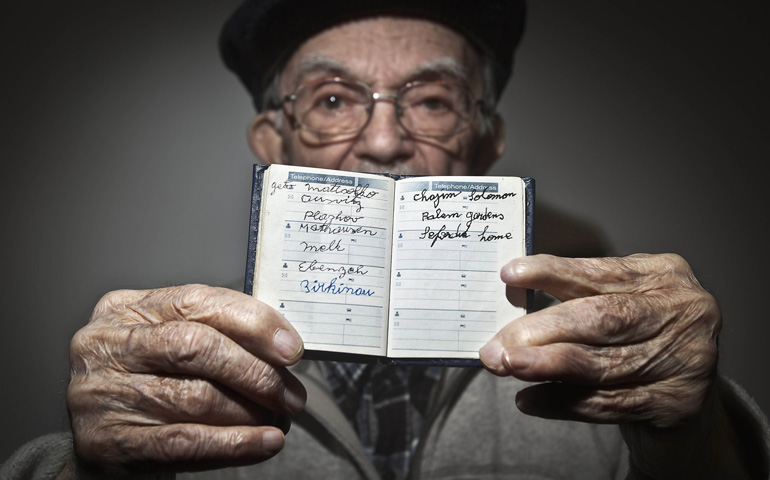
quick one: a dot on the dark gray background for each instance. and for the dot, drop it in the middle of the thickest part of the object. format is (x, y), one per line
(125, 163)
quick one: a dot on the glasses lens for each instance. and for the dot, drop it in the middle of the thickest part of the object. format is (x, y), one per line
(435, 109)
(331, 107)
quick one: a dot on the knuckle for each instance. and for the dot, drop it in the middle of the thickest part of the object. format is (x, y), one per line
(193, 397)
(609, 323)
(674, 263)
(631, 404)
(704, 315)
(81, 409)
(609, 365)
(260, 311)
(185, 443)
(100, 400)
(152, 398)
(126, 444)
(616, 270)
(237, 442)
(87, 350)
(702, 360)
(708, 307)
(111, 302)
(602, 406)
(521, 332)
(585, 364)
(79, 345)
(676, 271)
(662, 262)
(187, 299)
(264, 376)
(180, 445)
(608, 316)
(664, 270)
(188, 343)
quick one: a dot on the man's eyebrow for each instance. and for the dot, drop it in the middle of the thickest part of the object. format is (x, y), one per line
(440, 68)
(444, 67)
(320, 63)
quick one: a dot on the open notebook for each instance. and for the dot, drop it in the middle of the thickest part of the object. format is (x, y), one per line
(377, 267)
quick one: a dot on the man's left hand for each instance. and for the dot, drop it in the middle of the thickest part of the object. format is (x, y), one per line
(633, 342)
(634, 339)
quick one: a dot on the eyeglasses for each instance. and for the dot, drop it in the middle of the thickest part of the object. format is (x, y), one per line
(334, 108)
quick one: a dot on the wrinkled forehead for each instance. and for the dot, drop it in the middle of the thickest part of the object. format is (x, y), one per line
(385, 52)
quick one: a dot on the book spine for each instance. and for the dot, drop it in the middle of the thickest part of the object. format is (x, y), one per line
(529, 230)
(256, 203)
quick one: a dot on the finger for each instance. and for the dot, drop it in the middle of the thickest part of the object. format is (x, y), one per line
(658, 405)
(562, 401)
(181, 446)
(567, 278)
(253, 324)
(600, 320)
(188, 348)
(606, 366)
(566, 343)
(152, 400)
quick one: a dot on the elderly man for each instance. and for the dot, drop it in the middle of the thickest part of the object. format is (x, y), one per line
(195, 378)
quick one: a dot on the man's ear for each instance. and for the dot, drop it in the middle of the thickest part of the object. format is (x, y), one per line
(265, 140)
(491, 146)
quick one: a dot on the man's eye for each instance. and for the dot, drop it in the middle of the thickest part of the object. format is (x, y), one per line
(434, 104)
(331, 102)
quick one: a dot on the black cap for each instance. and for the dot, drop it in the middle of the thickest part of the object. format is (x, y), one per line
(261, 34)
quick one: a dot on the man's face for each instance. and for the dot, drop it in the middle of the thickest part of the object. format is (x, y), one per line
(384, 53)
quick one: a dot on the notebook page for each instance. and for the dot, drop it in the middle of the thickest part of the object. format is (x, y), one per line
(324, 255)
(451, 236)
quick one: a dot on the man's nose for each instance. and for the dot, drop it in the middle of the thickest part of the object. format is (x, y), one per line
(383, 139)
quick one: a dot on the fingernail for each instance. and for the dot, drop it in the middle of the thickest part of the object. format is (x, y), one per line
(521, 266)
(272, 441)
(491, 354)
(287, 343)
(521, 401)
(519, 358)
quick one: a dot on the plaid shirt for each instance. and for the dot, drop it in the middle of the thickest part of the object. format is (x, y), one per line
(387, 405)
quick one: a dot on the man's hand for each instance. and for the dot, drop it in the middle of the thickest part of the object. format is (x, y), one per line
(633, 342)
(185, 377)
(635, 339)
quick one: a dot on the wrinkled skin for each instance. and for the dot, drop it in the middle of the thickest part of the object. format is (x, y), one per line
(633, 342)
(182, 377)
(634, 339)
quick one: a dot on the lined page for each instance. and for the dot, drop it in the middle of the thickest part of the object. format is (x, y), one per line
(324, 255)
(451, 238)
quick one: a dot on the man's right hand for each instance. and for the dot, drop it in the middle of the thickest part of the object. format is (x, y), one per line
(188, 377)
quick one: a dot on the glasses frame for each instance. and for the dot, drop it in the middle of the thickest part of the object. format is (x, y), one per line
(375, 97)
